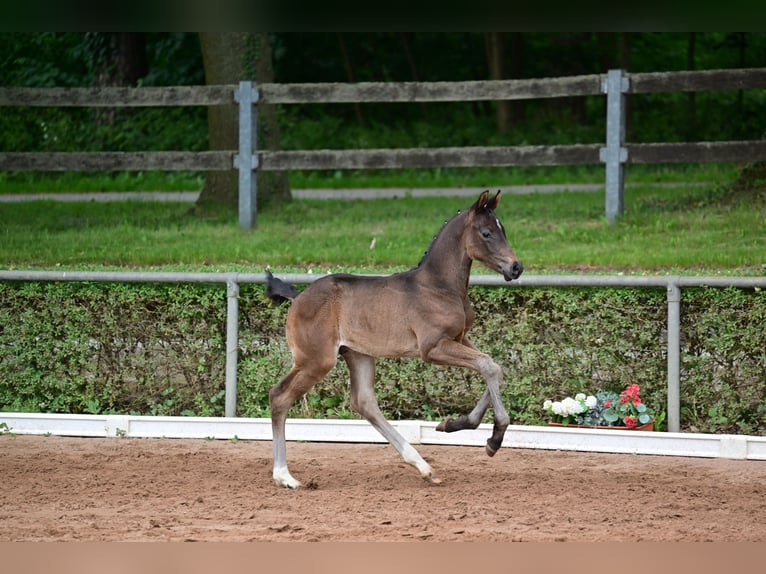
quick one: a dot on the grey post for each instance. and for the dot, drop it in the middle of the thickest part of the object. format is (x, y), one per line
(246, 161)
(674, 358)
(232, 346)
(614, 155)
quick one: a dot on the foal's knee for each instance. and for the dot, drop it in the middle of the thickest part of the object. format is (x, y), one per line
(491, 371)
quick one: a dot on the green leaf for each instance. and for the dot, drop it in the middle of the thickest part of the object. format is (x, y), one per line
(610, 415)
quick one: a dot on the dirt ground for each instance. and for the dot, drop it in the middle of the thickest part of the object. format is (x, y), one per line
(60, 489)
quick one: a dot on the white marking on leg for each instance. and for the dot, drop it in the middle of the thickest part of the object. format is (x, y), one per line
(411, 456)
(283, 477)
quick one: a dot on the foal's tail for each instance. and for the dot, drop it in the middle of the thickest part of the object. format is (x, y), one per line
(279, 291)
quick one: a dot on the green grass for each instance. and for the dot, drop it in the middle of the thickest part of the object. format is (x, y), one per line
(686, 230)
(503, 176)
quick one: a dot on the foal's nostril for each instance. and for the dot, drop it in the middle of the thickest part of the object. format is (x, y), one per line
(517, 268)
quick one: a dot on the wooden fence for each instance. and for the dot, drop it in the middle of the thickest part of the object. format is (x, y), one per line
(615, 154)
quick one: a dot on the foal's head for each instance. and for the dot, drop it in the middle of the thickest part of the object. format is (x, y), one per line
(486, 240)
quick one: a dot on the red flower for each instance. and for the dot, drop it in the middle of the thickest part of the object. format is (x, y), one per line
(624, 399)
(636, 401)
(631, 422)
(608, 403)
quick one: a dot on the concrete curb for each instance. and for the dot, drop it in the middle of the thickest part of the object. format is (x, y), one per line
(416, 432)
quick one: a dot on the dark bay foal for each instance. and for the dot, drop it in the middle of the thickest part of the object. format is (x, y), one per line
(423, 312)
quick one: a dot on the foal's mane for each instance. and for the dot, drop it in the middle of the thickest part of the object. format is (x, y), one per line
(436, 238)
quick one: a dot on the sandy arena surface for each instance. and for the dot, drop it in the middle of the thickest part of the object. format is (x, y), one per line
(61, 489)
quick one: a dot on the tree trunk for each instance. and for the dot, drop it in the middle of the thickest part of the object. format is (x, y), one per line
(518, 108)
(691, 98)
(228, 58)
(405, 40)
(132, 64)
(349, 74)
(625, 65)
(495, 60)
(118, 58)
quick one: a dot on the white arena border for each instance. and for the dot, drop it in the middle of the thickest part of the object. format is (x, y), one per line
(416, 432)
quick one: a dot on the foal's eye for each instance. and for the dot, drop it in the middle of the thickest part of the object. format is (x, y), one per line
(486, 233)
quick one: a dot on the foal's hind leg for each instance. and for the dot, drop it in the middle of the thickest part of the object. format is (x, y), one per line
(363, 401)
(282, 396)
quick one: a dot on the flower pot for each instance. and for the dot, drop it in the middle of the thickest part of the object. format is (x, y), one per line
(649, 427)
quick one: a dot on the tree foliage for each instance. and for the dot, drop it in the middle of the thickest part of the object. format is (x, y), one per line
(163, 59)
(79, 59)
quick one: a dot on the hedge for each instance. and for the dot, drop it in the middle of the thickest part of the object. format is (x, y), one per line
(159, 349)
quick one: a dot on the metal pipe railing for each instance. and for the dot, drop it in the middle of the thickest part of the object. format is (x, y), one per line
(672, 283)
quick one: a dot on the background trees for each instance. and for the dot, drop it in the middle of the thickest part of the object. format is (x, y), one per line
(151, 59)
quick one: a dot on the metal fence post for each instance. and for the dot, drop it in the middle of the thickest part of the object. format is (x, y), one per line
(232, 346)
(614, 155)
(246, 161)
(674, 358)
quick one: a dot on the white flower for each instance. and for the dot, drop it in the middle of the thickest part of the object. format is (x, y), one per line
(591, 402)
(580, 397)
(571, 407)
(547, 405)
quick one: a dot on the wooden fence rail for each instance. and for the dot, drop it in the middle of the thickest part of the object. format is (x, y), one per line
(616, 85)
(384, 92)
(588, 154)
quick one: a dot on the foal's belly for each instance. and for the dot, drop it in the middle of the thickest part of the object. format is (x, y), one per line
(380, 340)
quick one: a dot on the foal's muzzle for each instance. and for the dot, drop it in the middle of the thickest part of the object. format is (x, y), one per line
(513, 271)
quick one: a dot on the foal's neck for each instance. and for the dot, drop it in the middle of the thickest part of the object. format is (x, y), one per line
(446, 261)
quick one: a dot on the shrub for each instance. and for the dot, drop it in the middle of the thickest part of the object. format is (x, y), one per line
(159, 349)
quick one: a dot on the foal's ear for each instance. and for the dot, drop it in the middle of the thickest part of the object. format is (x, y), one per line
(485, 202)
(481, 203)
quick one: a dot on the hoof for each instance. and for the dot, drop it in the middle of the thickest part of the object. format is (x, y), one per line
(492, 447)
(442, 426)
(289, 485)
(283, 478)
(432, 479)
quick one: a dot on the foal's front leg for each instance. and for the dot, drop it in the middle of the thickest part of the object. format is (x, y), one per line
(469, 421)
(473, 419)
(449, 352)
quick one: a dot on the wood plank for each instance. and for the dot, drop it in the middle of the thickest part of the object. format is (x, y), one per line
(118, 161)
(119, 97)
(748, 78)
(569, 86)
(587, 154)
(430, 157)
(305, 93)
(430, 91)
(692, 81)
(697, 152)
